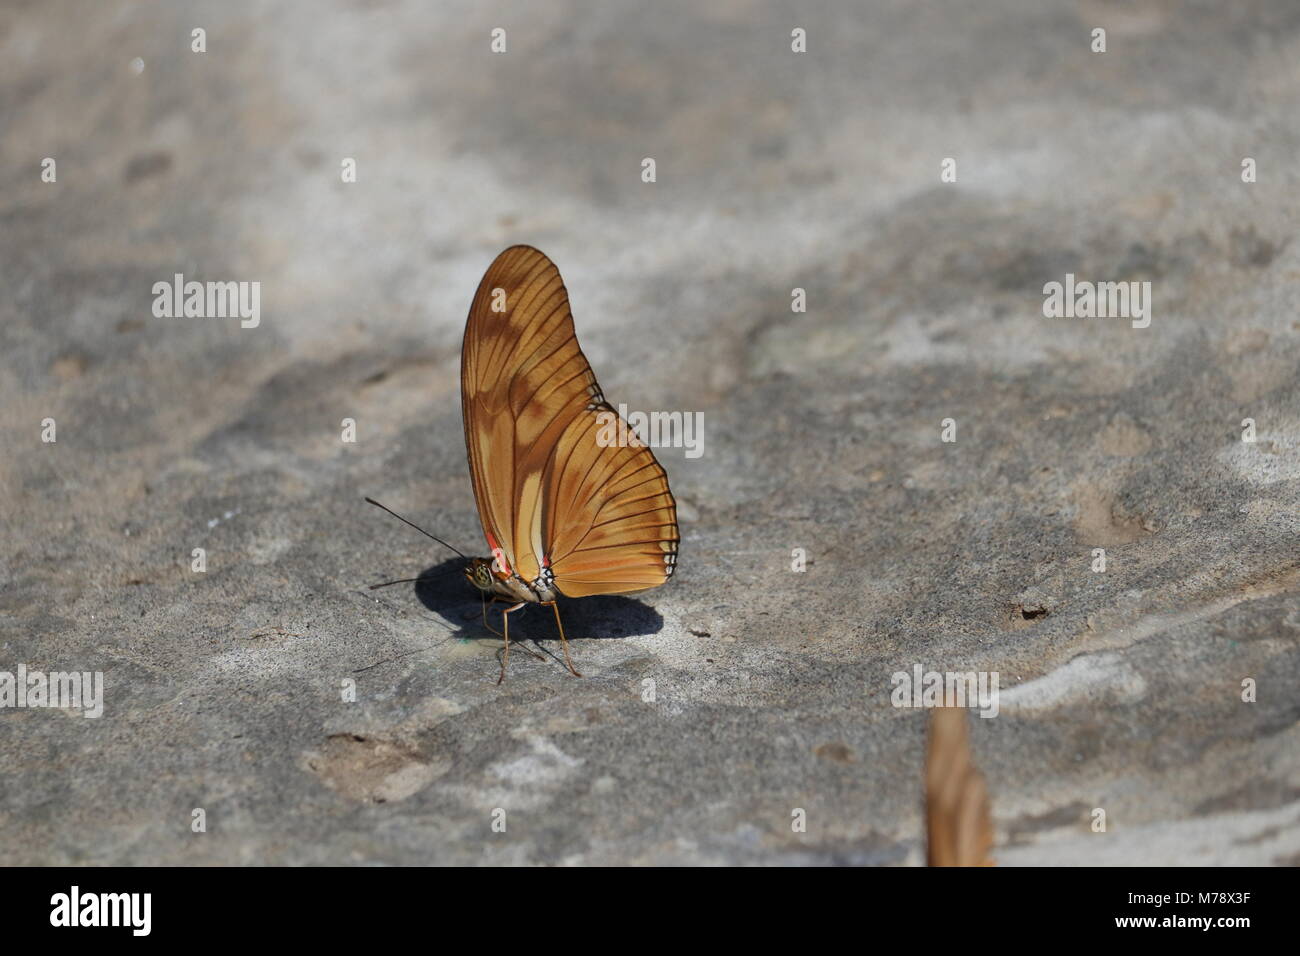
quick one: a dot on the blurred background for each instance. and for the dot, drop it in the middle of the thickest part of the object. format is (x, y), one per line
(775, 170)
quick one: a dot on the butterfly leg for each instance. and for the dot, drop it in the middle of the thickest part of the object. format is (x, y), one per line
(563, 640)
(485, 620)
(494, 600)
(505, 623)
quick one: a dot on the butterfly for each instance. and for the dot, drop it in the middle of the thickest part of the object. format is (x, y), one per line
(565, 511)
(958, 823)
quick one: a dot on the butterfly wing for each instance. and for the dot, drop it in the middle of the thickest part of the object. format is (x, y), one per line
(958, 823)
(612, 525)
(549, 492)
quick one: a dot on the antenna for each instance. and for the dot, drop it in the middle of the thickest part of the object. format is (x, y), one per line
(422, 577)
(417, 527)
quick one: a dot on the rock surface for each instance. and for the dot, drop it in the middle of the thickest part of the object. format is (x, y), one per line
(1122, 690)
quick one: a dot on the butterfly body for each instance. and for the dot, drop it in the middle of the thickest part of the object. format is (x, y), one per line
(564, 511)
(483, 574)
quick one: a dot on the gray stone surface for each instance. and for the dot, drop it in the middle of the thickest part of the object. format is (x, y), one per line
(775, 171)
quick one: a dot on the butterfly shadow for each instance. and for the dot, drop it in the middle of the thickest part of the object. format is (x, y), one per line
(444, 590)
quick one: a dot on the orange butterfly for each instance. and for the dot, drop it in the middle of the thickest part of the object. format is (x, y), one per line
(563, 513)
(958, 822)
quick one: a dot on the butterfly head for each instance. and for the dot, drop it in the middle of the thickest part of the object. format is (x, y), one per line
(479, 572)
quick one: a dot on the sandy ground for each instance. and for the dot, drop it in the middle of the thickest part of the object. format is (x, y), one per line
(224, 690)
